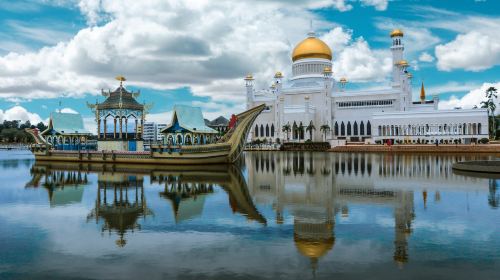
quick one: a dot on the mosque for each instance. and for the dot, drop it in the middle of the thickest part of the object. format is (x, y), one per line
(314, 105)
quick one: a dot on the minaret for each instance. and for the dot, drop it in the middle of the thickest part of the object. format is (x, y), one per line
(422, 94)
(249, 85)
(278, 80)
(397, 49)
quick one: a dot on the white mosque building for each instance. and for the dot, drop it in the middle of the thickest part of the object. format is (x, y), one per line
(313, 96)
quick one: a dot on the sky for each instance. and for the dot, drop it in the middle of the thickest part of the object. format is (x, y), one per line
(59, 54)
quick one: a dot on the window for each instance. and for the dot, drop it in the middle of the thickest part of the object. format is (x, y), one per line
(368, 128)
(261, 131)
(267, 130)
(355, 128)
(362, 128)
(272, 130)
(256, 131)
(342, 129)
(348, 128)
(336, 129)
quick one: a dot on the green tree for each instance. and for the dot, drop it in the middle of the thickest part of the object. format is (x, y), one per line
(491, 94)
(310, 129)
(324, 128)
(286, 128)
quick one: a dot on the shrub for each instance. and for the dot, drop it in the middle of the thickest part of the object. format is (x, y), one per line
(484, 140)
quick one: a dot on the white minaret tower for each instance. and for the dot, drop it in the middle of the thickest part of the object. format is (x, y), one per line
(278, 80)
(397, 49)
(249, 85)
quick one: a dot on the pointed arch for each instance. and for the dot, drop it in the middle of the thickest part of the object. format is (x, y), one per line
(262, 131)
(342, 129)
(362, 128)
(355, 128)
(348, 128)
(272, 130)
(267, 130)
(336, 129)
(368, 128)
(256, 130)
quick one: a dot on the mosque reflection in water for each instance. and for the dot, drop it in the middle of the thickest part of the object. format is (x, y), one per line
(314, 188)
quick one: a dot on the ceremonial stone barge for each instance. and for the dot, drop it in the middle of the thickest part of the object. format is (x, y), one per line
(119, 144)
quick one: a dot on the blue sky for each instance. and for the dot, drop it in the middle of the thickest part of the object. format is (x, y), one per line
(196, 52)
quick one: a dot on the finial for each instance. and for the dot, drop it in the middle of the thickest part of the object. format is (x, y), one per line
(121, 79)
(311, 30)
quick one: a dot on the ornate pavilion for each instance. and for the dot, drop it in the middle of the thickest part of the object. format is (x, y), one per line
(66, 132)
(188, 127)
(119, 120)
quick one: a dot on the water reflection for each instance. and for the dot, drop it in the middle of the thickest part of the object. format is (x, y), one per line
(294, 214)
(64, 187)
(306, 186)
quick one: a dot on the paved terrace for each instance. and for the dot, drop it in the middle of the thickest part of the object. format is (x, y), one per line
(442, 148)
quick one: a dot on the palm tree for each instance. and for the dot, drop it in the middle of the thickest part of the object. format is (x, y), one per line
(324, 128)
(310, 129)
(286, 128)
(489, 104)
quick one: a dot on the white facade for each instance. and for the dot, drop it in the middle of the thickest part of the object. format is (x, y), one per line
(313, 96)
(151, 131)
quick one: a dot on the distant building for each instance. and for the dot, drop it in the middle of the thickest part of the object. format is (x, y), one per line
(188, 127)
(220, 124)
(149, 131)
(152, 131)
(66, 131)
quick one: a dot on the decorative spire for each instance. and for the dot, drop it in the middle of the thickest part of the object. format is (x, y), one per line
(311, 30)
(121, 79)
(422, 93)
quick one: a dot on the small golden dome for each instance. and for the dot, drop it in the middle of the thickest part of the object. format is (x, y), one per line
(343, 80)
(403, 63)
(278, 75)
(314, 248)
(327, 70)
(409, 75)
(249, 77)
(311, 47)
(397, 32)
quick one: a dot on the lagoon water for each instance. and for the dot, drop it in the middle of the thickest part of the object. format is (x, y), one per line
(277, 215)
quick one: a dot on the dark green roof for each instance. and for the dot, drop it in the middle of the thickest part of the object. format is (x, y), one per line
(120, 99)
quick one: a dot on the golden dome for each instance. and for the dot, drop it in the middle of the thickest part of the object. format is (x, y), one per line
(311, 47)
(278, 75)
(397, 32)
(249, 77)
(314, 248)
(327, 70)
(343, 80)
(403, 63)
(409, 75)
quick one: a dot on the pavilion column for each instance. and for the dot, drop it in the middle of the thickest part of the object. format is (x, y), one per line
(98, 125)
(136, 124)
(105, 129)
(126, 128)
(114, 128)
(121, 127)
(142, 126)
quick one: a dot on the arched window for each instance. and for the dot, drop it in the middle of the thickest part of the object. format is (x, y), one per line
(463, 128)
(179, 139)
(361, 128)
(368, 128)
(355, 128)
(267, 130)
(342, 129)
(479, 128)
(348, 128)
(261, 131)
(336, 129)
(256, 131)
(272, 130)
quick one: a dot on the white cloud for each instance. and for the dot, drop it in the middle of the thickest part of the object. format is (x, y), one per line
(69, 111)
(357, 62)
(474, 51)
(207, 46)
(473, 97)
(452, 87)
(19, 113)
(380, 5)
(426, 57)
